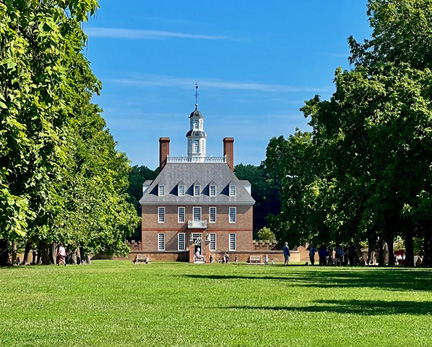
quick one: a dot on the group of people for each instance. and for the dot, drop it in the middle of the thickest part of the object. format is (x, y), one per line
(342, 255)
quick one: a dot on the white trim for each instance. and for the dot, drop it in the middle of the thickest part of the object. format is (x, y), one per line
(235, 242)
(199, 190)
(161, 220)
(207, 203)
(161, 190)
(161, 241)
(232, 189)
(193, 213)
(178, 241)
(178, 190)
(235, 214)
(215, 242)
(178, 214)
(210, 190)
(215, 213)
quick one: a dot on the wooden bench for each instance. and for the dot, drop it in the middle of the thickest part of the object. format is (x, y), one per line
(255, 259)
(140, 258)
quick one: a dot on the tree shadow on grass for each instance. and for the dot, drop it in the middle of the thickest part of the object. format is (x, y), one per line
(360, 307)
(390, 279)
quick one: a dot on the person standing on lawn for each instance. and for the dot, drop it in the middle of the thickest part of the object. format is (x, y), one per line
(312, 251)
(322, 252)
(286, 252)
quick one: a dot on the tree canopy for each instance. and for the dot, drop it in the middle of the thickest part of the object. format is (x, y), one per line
(61, 179)
(364, 171)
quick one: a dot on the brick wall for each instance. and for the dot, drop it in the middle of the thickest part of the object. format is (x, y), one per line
(222, 228)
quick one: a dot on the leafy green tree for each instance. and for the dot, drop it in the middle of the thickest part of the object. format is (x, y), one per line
(266, 234)
(61, 179)
(137, 176)
(265, 191)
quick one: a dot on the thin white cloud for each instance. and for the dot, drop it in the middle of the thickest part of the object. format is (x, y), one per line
(136, 34)
(343, 55)
(179, 82)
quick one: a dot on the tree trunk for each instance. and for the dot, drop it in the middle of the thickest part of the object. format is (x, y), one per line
(380, 252)
(27, 249)
(14, 252)
(409, 248)
(371, 247)
(53, 253)
(391, 258)
(4, 252)
(46, 254)
(427, 258)
(39, 254)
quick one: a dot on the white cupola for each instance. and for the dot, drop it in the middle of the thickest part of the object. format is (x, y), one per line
(196, 137)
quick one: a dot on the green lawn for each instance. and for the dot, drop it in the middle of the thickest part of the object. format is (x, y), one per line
(161, 304)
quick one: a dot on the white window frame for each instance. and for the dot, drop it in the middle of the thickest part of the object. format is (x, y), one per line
(215, 212)
(212, 242)
(235, 214)
(195, 146)
(214, 190)
(161, 241)
(161, 213)
(179, 241)
(232, 238)
(181, 220)
(179, 190)
(193, 213)
(232, 190)
(197, 190)
(161, 190)
(196, 124)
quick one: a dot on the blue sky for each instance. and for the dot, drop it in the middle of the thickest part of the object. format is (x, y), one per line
(255, 62)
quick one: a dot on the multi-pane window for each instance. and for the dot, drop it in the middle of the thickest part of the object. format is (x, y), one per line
(181, 190)
(161, 214)
(161, 190)
(232, 190)
(161, 242)
(181, 241)
(196, 124)
(196, 213)
(195, 146)
(212, 190)
(181, 214)
(232, 214)
(197, 190)
(212, 241)
(212, 214)
(232, 242)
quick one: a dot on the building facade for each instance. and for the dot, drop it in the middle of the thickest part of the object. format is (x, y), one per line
(196, 208)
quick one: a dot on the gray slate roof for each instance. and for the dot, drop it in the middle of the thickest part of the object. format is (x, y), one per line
(188, 173)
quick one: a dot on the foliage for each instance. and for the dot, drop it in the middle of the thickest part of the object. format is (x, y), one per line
(265, 191)
(244, 305)
(266, 234)
(364, 172)
(137, 176)
(57, 183)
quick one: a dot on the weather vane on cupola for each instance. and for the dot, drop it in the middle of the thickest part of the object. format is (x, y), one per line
(196, 95)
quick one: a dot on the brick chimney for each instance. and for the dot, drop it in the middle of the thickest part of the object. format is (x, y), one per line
(229, 151)
(163, 151)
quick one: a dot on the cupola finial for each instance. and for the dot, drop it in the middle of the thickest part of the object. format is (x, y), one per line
(196, 95)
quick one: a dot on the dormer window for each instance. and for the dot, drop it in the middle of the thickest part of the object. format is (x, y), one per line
(181, 190)
(197, 190)
(232, 190)
(212, 190)
(161, 190)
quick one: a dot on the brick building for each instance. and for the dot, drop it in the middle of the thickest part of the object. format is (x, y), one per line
(196, 204)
